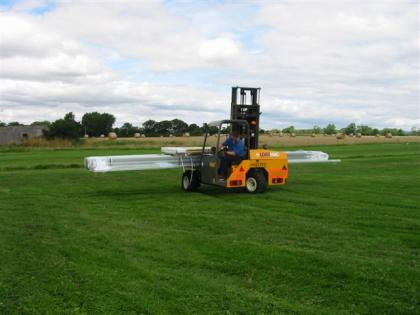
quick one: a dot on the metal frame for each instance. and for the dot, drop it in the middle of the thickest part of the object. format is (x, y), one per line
(249, 111)
(219, 124)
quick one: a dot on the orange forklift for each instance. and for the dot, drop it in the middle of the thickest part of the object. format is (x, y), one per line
(258, 168)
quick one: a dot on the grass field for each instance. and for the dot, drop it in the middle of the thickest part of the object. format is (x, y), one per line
(338, 239)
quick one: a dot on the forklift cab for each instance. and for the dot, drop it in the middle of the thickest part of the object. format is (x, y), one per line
(210, 160)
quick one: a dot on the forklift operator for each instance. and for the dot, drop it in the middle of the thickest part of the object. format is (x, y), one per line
(234, 152)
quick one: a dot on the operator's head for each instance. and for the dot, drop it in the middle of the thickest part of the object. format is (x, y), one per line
(235, 136)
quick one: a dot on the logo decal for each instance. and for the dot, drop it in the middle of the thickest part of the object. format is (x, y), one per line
(268, 154)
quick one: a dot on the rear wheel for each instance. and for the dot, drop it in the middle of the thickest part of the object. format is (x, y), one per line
(255, 182)
(190, 180)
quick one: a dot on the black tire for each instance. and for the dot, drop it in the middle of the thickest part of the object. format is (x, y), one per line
(255, 182)
(190, 180)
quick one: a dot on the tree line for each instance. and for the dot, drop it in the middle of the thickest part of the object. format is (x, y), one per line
(351, 129)
(96, 124)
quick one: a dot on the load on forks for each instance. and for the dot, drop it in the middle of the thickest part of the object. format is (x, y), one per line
(259, 167)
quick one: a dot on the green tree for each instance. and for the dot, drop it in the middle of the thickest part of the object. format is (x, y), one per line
(393, 131)
(14, 123)
(212, 130)
(330, 129)
(149, 128)
(66, 128)
(316, 129)
(96, 124)
(41, 123)
(126, 130)
(226, 130)
(178, 127)
(163, 128)
(2, 124)
(350, 129)
(290, 129)
(365, 130)
(195, 130)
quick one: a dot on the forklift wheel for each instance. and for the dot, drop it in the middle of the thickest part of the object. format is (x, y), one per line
(190, 181)
(255, 182)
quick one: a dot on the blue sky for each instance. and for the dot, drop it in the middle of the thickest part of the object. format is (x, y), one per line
(316, 62)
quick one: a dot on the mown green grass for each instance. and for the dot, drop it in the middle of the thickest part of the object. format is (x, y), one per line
(338, 239)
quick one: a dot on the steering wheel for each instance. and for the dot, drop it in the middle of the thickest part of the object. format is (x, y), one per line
(222, 151)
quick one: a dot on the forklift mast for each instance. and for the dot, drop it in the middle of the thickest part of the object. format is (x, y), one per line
(246, 106)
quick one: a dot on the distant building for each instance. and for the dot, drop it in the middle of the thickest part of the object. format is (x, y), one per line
(18, 134)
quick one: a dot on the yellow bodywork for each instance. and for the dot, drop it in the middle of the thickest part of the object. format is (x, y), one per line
(275, 164)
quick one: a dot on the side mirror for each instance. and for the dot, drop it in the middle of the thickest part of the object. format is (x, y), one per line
(265, 146)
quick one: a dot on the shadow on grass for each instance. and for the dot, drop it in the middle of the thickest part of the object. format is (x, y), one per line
(205, 190)
(41, 167)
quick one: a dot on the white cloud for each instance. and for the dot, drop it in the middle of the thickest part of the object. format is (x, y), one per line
(138, 29)
(316, 61)
(218, 50)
